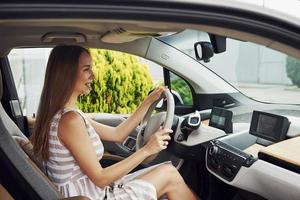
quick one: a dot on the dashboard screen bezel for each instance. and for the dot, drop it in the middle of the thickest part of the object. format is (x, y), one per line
(222, 115)
(279, 129)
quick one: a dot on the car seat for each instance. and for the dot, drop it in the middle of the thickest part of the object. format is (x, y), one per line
(18, 173)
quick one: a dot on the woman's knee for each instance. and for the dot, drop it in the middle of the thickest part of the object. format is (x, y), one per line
(165, 178)
(165, 174)
(172, 173)
(168, 168)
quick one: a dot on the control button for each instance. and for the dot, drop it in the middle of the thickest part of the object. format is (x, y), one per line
(228, 172)
(249, 161)
(233, 168)
(180, 138)
(213, 150)
(214, 163)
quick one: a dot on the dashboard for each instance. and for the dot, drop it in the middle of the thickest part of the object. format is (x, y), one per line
(263, 158)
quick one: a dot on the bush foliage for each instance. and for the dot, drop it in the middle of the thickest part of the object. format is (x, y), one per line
(293, 70)
(184, 91)
(121, 83)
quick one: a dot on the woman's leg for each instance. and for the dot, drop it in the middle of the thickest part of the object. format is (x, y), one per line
(167, 180)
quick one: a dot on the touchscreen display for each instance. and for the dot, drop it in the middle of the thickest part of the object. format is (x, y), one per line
(221, 118)
(218, 120)
(269, 126)
(266, 125)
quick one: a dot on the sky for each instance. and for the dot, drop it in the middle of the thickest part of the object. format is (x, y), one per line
(290, 7)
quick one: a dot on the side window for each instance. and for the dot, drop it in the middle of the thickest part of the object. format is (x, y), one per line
(181, 90)
(28, 67)
(156, 72)
(121, 83)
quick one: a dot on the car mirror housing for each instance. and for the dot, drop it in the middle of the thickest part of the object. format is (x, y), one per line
(204, 51)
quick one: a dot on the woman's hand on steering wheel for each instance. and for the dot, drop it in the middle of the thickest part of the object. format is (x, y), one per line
(151, 123)
(158, 141)
(155, 94)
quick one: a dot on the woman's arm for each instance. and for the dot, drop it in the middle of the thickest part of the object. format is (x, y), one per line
(120, 133)
(73, 134)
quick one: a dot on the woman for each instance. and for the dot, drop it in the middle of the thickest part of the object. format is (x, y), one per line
(70, 146)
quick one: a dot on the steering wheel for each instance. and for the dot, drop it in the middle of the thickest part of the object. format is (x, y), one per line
(152, 122)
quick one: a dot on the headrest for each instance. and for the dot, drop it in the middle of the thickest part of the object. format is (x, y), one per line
(1, 86)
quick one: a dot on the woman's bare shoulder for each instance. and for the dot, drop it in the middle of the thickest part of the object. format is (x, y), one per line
(70, 123)
(71, 116)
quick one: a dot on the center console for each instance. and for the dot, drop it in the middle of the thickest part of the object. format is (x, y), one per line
(226, 160)
(263, 160)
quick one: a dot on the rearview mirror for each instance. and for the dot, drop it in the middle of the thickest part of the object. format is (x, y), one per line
(204, 51)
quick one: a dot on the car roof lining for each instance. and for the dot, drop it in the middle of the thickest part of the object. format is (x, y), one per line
(30, 33)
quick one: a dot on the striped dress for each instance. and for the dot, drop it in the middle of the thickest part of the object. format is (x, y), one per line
(65, 173)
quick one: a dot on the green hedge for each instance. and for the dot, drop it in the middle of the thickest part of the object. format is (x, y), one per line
(184, 91)
(121, 83)
(293, 70)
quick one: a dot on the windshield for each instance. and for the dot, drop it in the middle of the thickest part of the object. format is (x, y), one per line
(257, 71)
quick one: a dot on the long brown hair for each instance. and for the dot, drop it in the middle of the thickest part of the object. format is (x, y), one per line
(60, 78)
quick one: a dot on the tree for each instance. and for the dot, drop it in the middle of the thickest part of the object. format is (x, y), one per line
(121, 83)
(293, 70)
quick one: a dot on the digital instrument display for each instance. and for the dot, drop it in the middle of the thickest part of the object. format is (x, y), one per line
(221, 118)
(269, 126)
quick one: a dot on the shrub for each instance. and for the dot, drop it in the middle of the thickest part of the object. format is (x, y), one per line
(293, 70)
(181, 87)
(121, 83)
